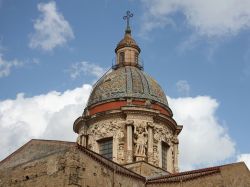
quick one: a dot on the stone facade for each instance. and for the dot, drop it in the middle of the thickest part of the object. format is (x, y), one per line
(43, 163)
(137, 134)
(70, 166)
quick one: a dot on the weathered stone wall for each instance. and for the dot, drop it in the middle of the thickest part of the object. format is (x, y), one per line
(236, 174)
(47, 171)
(73, 165)
(232, 175)
(214, 180)
(145, 169)
(34, 150)
(65, 168)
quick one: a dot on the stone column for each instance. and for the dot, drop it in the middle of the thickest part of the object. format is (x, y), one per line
(84, 140)
(170, 158)
(175, 142)
(82, 136)
(150, 143)
(129, 125)
(176, 152)
(81, 139)
(115, 147)
(160, 153)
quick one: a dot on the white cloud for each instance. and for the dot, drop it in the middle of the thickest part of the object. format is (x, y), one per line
(7, 65)
(183, 87)
(86, 68)
(244, 158)
(203, 140)
(51, 29)
(48, 116)
(208, 18)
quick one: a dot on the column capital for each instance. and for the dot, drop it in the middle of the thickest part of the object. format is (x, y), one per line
(150, 124)
(129, 123)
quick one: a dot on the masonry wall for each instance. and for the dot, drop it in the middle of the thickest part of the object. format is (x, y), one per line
(206, 181)
(145, 169)
(232, 175)
(67, 168)
(37, 165)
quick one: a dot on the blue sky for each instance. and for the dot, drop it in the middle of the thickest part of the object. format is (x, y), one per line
(198, 51)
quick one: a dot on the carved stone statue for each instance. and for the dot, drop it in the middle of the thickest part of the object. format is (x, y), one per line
(141, 138)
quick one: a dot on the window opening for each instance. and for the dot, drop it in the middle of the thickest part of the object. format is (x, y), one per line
(164, 155)
(122, 57)
(106, 148)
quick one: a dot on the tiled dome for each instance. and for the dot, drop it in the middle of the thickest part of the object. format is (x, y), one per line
(127, 82)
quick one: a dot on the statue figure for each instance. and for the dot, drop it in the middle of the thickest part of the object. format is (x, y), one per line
(140, 141)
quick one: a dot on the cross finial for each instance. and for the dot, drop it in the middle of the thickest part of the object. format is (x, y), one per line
(127, 17)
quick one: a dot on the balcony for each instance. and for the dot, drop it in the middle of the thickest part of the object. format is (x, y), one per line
(128, 62)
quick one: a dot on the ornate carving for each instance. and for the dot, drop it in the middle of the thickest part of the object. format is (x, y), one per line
(120, 153)
(119, 135)
(151, 158)
(162, 134)
(175, 139)
(138, 129)
(129, 156)
(141, 138)
(155, 160)
(129, 122)
(104, 129)
(108, 128)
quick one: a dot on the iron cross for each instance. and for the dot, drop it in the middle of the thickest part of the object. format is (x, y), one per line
(127, 17)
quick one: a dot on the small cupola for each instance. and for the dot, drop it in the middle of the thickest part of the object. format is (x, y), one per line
(127, 51)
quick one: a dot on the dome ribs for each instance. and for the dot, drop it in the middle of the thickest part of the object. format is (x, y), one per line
(129, 81)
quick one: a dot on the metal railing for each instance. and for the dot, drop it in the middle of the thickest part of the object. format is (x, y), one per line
(127, 62)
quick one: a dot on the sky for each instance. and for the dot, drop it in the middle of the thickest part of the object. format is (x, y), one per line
(52, 52)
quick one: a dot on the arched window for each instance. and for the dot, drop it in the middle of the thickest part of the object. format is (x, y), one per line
(164, 154)
(121, 57)
(106, 148)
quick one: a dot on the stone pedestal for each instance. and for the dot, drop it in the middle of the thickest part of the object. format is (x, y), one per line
(140, 158)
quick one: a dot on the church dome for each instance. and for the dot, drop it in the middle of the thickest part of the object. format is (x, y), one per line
(125, 83)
